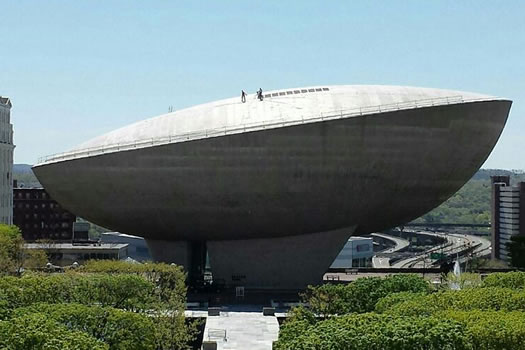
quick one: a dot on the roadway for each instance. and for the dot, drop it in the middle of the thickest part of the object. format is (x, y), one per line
(456, 244)
(379, 261)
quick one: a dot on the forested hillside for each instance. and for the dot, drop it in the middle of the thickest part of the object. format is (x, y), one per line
(471, 204)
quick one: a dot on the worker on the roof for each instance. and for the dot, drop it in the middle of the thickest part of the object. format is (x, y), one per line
(243, 96)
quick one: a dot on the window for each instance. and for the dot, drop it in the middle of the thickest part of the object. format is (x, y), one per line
(296, 92)
(303, 90)
(282, 93)
(289, 92)
(319, 89)
(362, 248)
(275, 94)
(311, 90)
(326, 89)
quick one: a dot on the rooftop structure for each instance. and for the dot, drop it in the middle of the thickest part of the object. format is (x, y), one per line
(64, 254)
(273, 189)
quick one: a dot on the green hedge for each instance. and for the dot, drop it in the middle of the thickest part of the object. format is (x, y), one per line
(362, 295)
(169, 279)
(38, 332)
(374, 332)
(492, 330)
(123, 291)
(514, 280)
(121, 330)
(487, 299)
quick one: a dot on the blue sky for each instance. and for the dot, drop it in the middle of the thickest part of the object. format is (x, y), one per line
(76, 69)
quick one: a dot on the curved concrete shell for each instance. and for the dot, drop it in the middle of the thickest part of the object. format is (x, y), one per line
(266, 178)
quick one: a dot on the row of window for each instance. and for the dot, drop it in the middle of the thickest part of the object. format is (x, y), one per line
(294, 92)
(31, 195)
(44, 217)
(36, 205)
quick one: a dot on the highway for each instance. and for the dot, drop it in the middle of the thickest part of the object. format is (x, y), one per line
(379, 261)
(456, 244)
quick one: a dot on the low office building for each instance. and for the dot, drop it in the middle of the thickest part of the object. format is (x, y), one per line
(63, 254)
(357, 252)
(6, 162)
(508, 214)
(40, 217)
(137, 247)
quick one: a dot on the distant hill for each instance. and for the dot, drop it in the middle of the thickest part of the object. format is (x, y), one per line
(485, 174)
(22, 169)
(471, 204)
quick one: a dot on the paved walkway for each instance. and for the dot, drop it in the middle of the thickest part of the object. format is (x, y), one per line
(242, 330)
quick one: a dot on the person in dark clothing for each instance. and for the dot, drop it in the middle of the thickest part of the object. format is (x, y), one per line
(260, 94)
(243, 96)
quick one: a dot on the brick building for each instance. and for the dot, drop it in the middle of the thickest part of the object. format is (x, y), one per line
(40, 217)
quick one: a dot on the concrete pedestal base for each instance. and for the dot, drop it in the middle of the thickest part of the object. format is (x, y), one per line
(290, 262)
(177, 252)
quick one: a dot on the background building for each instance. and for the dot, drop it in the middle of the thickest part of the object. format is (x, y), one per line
(6, 162)
(40, 217)
(357, 252)
(137, 247)
(63, 254)
(508, 214)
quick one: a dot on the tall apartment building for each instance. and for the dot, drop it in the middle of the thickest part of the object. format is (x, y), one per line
(508, 214)
(6, 162)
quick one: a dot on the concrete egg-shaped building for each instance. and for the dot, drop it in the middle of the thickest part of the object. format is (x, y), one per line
(274, 188)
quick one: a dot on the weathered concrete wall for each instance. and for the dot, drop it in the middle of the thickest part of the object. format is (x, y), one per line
(373, 171)
(287, 262)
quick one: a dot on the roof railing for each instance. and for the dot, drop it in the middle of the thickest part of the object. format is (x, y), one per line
(229, 130)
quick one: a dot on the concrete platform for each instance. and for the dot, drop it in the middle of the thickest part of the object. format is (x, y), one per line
(242, 330)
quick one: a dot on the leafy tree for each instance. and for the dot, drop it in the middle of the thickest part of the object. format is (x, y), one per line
(172, 331)
(13, 254)
(128, 292)
(514, 280)
(38, 332)
(121, 330)
(483, 299)
(492, 330)
(376, 332)
(361, 295)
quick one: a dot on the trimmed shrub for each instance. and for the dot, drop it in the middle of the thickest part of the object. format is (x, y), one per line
(514, 280)
(362, 295)
(396, 298)
(487, 299)
(374, 332)
(120, 291)
(492, 330)
(38, 332)
(121, 330)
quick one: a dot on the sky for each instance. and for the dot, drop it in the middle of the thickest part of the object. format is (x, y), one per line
(77, 69)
